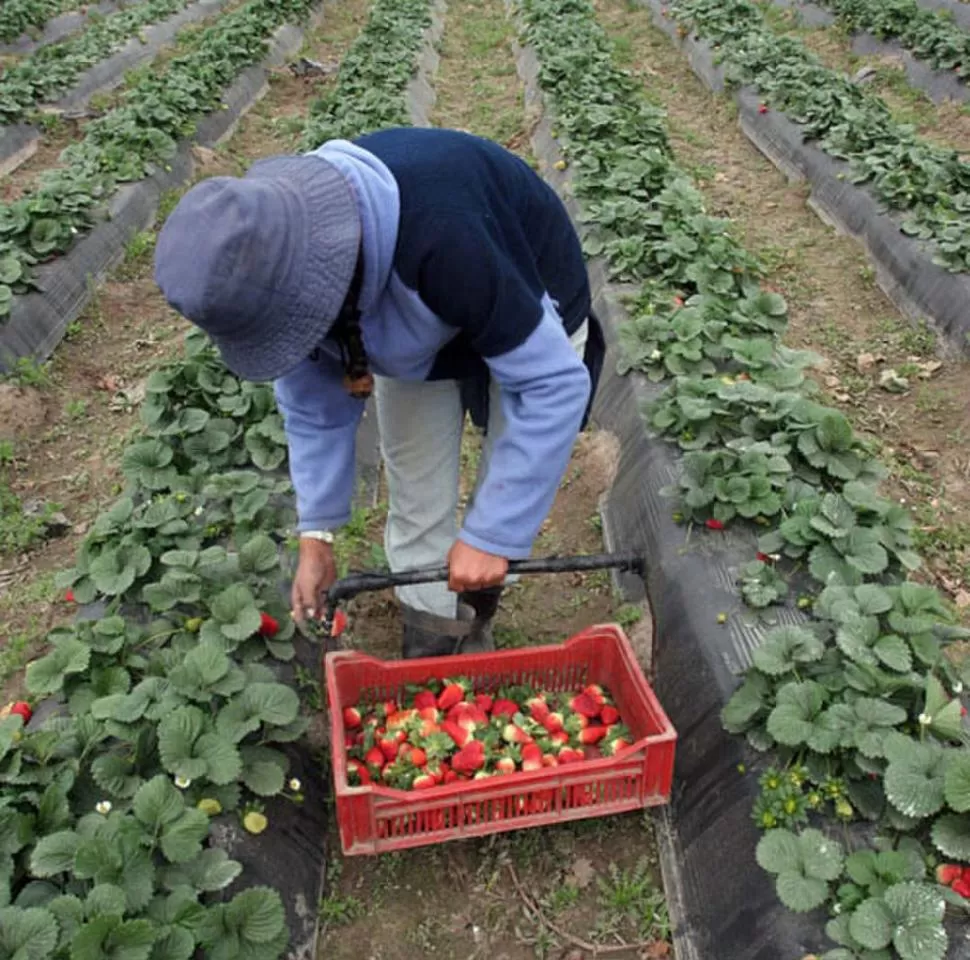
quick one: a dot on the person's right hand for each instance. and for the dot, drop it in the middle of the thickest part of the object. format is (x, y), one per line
(316, 571)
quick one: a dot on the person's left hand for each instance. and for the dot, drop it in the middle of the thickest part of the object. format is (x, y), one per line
(472, 569)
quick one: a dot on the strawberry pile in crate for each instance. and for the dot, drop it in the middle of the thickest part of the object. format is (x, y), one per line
(443, 733)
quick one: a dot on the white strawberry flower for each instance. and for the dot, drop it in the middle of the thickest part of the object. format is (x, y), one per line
(925, 719)
(199, 511)
(182, 782)
(958, 688)
(294, 784)
(103, 807)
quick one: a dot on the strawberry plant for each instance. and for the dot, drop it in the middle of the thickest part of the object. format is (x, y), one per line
(21, 16)
(124, 144)
(51, 70)
(925, 182)
(859, 703)
(169, 710)
(369, 92)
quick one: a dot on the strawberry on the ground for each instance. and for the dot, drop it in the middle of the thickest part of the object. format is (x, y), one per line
(484, 701)
(425, 699)
(470, 758)
(609, 714)
(352, 718)
(585, 705)
(946, 873)
(453, 692)
(504, 708)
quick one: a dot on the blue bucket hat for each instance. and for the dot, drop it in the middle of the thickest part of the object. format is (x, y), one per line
(262, 263)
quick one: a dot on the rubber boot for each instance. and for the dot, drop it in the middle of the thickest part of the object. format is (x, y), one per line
(430, 635)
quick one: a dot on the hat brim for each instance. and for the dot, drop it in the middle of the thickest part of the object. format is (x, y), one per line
(326, 218)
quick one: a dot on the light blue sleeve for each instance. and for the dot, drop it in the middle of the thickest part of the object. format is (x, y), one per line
(321, 421)
(545, 389)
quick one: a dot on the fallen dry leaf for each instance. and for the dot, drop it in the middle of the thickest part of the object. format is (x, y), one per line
(962, 599)
(109, 382)
(657, 950)
(583, 873)
(864, 362)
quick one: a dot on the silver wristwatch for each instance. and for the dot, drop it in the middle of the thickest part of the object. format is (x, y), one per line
(324, 535)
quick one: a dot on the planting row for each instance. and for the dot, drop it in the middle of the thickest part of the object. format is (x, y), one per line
(172, 714)
(20, 16)
(926, 183)
(853, 708)
(52, 70)
(126, 143)
(930, 35)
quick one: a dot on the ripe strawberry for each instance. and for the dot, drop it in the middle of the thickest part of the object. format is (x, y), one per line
(400, 718)
(593, 733)
(538, 708)
(714, 524)
(505, 765)
(552, 722)
(484, 701)
(470, 758)
(389, 747)
(375, 758)
(550, 760)
(425, 699)
(431, 714)
(961, 886)
(417, 756)
(613, 745)
(357, 774)
(69, 596)
(452, 693)
(339, 623)
(504, 708)
(423, 781)
(461, 735)
(450, 776)
(531, 757)
(946, 873)
(351, 718)
(21, 709)
(609, 715)
(515, 734)
(575, 723)
(585, 706)
(570, 755)
(559, 739)
(268, 626)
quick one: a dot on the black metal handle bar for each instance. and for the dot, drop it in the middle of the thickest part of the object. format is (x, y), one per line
(357, 583)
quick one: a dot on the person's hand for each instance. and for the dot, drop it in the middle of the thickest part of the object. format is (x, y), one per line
(317, 570)
(472, 569)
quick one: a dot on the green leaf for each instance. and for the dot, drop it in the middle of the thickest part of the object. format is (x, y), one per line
(951, 836)
(873, 599)
(29, 934)
(54, 853)
(855, 638)
(147, 463)
(203, 667)
(784, 647)
(177, 734)
(210, 871)
(46, 675)
(793, 720)
(264, 778)
(221, 758)
(274, 703)
(106, 900)
(110, 938)
(158, 802)
(918, 914)
(914, 786)
(893, 652)
(182, 839)
(256, 914)
(236, 612)
(778, 852)
(871, 924)
(745, 703)
(956, 782)
(258, 555)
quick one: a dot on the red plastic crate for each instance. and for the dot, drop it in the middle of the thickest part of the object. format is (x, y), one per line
(375, 819)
